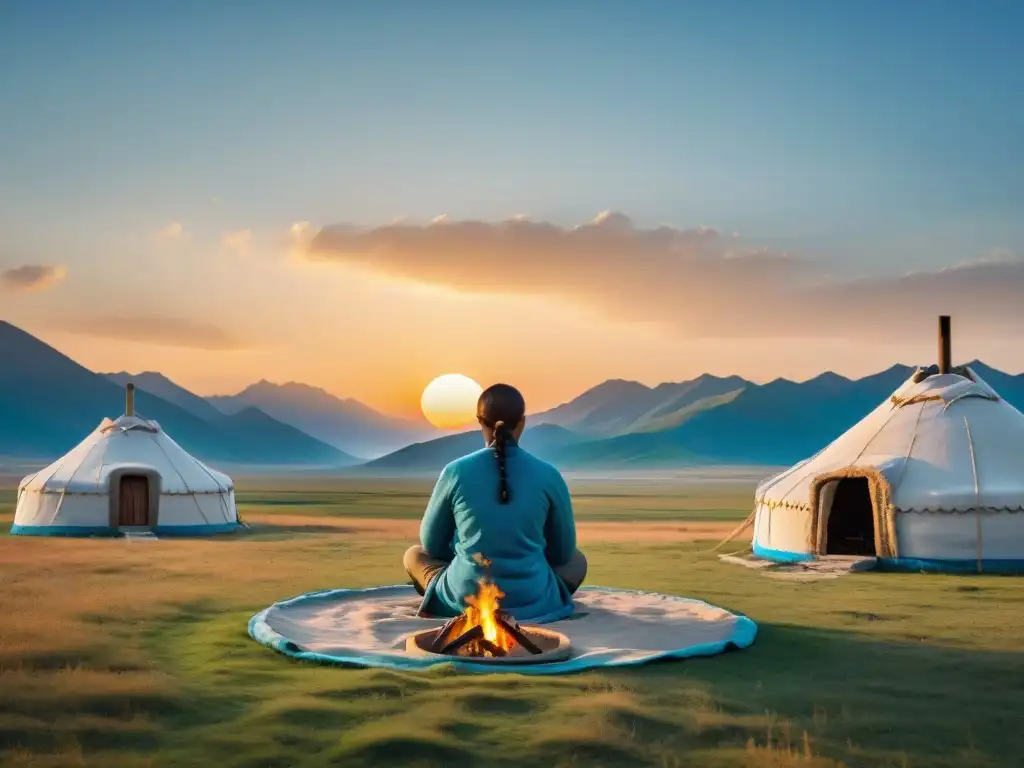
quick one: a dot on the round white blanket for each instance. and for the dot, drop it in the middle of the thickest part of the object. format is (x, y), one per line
(610, 627)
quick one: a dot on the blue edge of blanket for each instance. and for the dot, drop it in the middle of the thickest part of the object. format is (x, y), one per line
(743, 635)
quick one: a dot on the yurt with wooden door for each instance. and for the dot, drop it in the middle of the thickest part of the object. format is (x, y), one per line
(128, 475)
(932, 479)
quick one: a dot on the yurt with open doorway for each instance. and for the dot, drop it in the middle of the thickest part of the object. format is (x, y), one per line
(932, 479)
(127, 475)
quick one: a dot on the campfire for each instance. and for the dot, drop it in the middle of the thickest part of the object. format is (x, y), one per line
(484, 632)
(483, 629)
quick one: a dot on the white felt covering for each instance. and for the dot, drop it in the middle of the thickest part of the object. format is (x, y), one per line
(945, 445)
(74, 490)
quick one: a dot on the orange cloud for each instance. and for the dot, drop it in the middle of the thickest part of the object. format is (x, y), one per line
(699, 281)
(239, 241)
(173, 231)
(32, 277)
(154, 329)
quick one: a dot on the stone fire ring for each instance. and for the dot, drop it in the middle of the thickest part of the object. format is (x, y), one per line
(554, 647)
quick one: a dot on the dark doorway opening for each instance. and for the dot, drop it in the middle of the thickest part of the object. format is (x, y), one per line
(133, 501)
(851, 519)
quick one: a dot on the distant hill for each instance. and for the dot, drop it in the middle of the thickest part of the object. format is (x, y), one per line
(269, 441)
(678, 411)
(777, 423)
(610, 405)
(49, 403)
(159, 385)
(784, 421)
(619, 407)
(544, 441)
(248, 425)
(349, 425)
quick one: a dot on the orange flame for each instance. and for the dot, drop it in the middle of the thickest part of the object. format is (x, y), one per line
(481, 609)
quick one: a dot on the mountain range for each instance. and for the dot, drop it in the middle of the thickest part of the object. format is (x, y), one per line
(619, 407)
(348, 424)
(48, 403)
(353, 428)
(709, 420)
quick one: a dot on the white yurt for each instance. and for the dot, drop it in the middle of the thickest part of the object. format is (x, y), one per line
(128, 475)
(932, 479)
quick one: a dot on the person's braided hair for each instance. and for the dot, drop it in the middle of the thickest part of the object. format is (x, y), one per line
(501, 408)
(500, 441)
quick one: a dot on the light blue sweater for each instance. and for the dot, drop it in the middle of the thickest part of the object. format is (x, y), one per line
(522, 538)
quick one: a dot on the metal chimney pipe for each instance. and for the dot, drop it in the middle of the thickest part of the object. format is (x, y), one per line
(945, 345)
(129, 399)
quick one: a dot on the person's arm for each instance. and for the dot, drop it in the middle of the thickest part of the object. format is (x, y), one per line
(560, 528)
(437, 530)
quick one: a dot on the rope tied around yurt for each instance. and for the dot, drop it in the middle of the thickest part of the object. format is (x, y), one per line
(736, 532)
(982, 395)
(899, 402)
(184, 482)
(223, 491)
(906, 459)
(977, 491)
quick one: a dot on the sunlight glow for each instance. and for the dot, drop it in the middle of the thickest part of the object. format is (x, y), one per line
(449, 401)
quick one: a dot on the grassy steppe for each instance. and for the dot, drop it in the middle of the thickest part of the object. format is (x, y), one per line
(136, 654)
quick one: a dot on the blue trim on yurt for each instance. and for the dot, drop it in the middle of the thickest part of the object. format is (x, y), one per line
(107, 532)
(918, 565)
(195, 530)
(906, 564)
(781, 555)
(64, 530)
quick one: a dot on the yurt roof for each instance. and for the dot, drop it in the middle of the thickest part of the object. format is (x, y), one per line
(943, 442)
(126, 443)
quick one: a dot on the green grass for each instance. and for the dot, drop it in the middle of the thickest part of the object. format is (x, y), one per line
(598, 501)
(137, 655)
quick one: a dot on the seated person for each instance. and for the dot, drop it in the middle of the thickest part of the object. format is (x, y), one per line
(499, 514)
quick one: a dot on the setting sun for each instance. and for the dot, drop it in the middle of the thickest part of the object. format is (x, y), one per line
(449, 401)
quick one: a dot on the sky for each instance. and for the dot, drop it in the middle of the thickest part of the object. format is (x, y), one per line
(363, 196)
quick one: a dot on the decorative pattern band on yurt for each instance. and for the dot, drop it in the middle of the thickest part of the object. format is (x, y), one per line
(128, 474)
(932, 479)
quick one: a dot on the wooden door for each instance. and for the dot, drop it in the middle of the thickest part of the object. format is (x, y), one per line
(134, 501)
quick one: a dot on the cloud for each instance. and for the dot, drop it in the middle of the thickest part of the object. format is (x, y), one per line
(173, 231)
(155, 329)
(699, 281)
(32, 277)
(239, 241)
(301, 232)
(297, 240)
